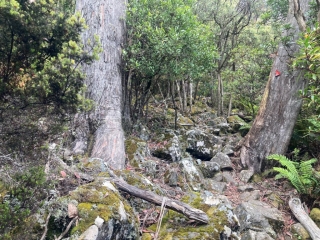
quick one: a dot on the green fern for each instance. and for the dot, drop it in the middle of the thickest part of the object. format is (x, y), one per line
(301, 175)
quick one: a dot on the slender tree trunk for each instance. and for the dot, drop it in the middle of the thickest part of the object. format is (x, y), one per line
(179, 94)
(184, 96)
(174, 105)
(230, 105)
(272, 128)
(220, 95)
(212, 93)
(105, 18)
(196, 91)
(190, 96)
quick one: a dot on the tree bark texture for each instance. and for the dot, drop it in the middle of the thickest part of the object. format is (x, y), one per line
(273, 126)
(105, 18)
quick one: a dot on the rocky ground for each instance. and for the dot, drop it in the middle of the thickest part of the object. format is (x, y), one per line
(197, 163)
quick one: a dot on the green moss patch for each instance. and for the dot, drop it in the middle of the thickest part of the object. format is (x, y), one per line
(177, 226)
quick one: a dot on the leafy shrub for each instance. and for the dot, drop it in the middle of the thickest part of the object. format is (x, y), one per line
(23, 199)
(40, 55)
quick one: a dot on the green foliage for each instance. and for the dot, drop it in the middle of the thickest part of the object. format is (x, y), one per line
(244, 129)
(300, 174)
(23, 198)
(277, 10)
(165, 43)
(40, 75)
(40, 54)
(308, 60)
(250, 66)
(165, 38)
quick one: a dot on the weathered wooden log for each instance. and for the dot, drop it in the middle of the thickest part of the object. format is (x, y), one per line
(172, 204)
(304, 219)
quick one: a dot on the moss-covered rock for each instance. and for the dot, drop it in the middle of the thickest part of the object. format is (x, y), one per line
(235, 121)
(315, 215)
(137, 150)
(98, 199)
(299, 232)
(167, 147)
(176, 226)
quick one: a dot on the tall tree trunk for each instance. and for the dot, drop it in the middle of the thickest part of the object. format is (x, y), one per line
(184, 96)
(280, 105)
(105, 18)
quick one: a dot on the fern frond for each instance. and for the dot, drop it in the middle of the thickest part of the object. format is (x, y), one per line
(301, 175)
(292, 177)
(307, 174)
(306, 166)
(284, 161)
(276, 157)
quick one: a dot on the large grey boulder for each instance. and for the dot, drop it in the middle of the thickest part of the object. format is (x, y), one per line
(201, 145)
(168, 147)
(223, 161)
(259, 216)
(252, 235)
(192, 174)
(209, 169)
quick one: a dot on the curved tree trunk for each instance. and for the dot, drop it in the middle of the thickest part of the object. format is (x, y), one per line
(272, 128)
(105, 18)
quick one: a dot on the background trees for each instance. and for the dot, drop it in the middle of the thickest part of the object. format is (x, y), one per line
(227, 21)
(167, 46)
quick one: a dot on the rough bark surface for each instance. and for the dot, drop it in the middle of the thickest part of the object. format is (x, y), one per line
(105, 18)
(272, 128)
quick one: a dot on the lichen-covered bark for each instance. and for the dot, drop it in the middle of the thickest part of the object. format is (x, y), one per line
(105, 18)
(272, 129)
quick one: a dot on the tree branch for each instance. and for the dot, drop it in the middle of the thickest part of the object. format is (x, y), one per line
(303, 218)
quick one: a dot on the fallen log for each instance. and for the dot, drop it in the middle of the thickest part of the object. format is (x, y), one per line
(172, 204)
(299, 212)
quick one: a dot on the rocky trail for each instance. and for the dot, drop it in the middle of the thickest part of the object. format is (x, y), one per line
(183, 183)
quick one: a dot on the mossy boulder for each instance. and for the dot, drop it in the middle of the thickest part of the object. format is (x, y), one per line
(236, 122)
(315, 216)
(184, 121)
(176, 226)
(98, 200)
(299, 232)
(137, 151)
(259, 216)
(167, 147)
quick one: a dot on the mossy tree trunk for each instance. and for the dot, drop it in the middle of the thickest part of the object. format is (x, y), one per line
(105, 18)
(273, 126)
